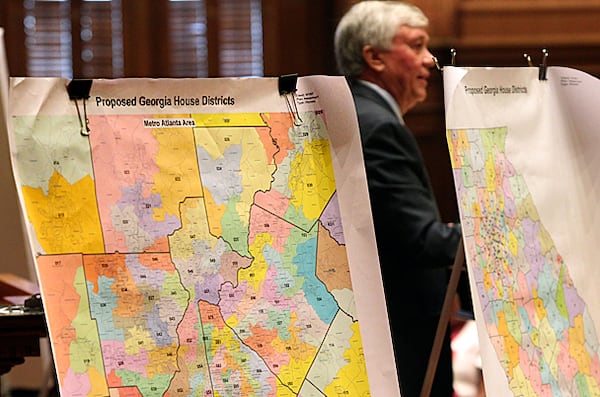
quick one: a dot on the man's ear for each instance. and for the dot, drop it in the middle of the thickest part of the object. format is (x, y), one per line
(373, 58)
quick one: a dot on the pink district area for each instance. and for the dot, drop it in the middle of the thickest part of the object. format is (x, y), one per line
(265, 222)
(273, 201)
(125, 392)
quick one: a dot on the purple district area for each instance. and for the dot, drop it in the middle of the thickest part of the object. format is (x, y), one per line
(331, 219)
(143, 208)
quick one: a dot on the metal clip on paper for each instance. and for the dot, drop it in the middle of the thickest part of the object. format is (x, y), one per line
(452, 60)
(287, 88)
(80, 89)
(543, 67)
(437, 64)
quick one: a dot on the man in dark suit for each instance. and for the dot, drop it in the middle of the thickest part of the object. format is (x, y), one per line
(381, 47)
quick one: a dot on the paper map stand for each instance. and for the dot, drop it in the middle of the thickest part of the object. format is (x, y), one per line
(457, 269)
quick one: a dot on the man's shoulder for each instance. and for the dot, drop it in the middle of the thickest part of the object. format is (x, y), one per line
(365, 95)
(370, 105)
(361, 90)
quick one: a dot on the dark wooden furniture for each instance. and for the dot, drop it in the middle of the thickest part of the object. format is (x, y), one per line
(20, 328)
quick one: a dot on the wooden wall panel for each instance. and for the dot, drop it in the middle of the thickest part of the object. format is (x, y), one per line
(543, 23)
(298, 37)
(442, 18)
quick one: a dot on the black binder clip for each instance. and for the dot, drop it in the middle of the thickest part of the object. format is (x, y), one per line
(287, 88)
(80, 89)
(34, 304)
(543, 68)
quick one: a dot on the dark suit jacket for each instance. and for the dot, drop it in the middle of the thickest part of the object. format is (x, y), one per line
(415, 247)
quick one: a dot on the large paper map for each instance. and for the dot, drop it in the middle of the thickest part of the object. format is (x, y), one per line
(525, 174)
(192, 243)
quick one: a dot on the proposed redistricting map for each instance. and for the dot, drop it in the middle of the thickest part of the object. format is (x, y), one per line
(538, 324)
(190, 254)
(524, 156)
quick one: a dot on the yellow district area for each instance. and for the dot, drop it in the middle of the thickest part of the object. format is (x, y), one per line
(520, 384)
(539, 304)
(527, 209)
(535, 337)
(65, 220)
(561, 300)
(511, 347)
(352, 379)
(500, 291)
(178, 176)
(487, 281)
(592, 385)
(300, 355)
(214, 214)
(577, 348)
(490, 173)
(163, 359)
(232, 321)
(476, 210)
(548, 344)
(487, 195)
(97, 381)
(284, 391)
(513, 243)
(513, 322)
(311, 178)
(255, 274)
(137, 339)
(229, 120)
(546, 242)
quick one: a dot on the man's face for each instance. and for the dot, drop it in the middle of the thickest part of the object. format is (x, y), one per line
(407, 66)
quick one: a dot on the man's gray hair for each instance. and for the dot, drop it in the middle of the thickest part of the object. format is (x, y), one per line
(371, 22)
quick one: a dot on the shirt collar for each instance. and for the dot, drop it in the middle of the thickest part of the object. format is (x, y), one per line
(386, 96)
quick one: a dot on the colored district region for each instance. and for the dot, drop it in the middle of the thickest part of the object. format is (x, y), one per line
(539, 325)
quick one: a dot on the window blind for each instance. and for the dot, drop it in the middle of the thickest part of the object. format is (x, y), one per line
(240, 38)
(85, 38)
(48, 40)
(101, 34)
(188, 42)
